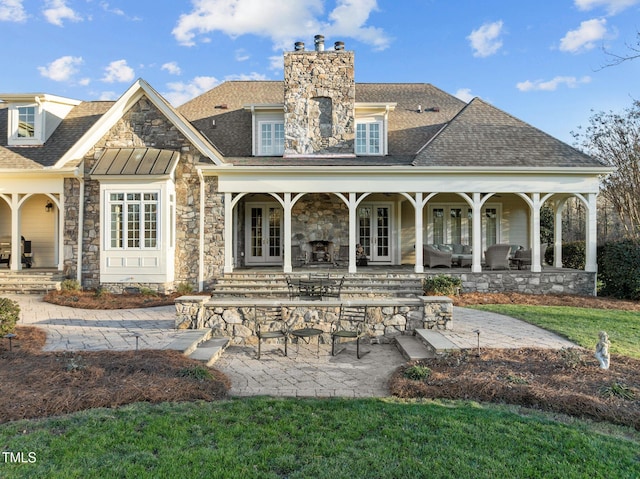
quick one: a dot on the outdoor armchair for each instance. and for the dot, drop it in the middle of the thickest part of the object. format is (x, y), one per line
(433, 257)
(351, 324)
(270, 324)
(497, 256)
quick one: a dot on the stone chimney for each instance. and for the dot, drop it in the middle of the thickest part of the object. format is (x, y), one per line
(319, 100)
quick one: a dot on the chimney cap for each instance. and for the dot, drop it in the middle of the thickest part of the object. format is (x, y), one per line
(299, 46)
(338, 46)
(319, 42)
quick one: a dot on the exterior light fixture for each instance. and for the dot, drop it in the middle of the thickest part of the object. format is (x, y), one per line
(48, 206)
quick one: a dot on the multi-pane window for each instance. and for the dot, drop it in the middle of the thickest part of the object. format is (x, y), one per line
(368, 138)
(271, 138)
(133, 220)
(26, 122)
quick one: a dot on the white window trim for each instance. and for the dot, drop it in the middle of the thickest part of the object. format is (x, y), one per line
(383, 136)
(260, 151)
(14, 122)
(107, 220)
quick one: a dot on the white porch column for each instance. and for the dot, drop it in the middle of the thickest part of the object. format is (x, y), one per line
(557, 234)
(535, 228)
(16, 243)
(591, 262)
(228, 233)
(417, 205)
(476, 261)
(353, 232)
(287, 233)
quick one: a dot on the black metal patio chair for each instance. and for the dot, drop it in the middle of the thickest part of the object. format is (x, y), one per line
(351, 324)
(270, 324)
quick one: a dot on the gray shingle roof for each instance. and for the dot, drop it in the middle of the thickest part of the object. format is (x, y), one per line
(76, 124)
(482, 135)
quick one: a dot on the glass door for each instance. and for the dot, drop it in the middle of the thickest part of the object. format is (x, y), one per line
(263, 234)
(374, 231)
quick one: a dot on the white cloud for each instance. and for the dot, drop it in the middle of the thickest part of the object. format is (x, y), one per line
(552, 85)
(584, 37)
(12, 11)
(172, 68)
(282, 21)
(464, 94)
(613, 6)
(242, 55)
(485, 40)
(61, 69)
(58, 11)
(108, 96)
(181, 92)
(118, 71)
(276, 63)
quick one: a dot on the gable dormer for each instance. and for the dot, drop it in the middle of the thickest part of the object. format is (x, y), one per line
(33, 117)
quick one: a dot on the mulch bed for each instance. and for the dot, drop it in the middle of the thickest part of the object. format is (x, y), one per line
(35, 384)
(567, 381)
(87, 299)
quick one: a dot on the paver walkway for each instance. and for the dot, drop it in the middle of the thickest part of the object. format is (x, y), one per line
(303, 373)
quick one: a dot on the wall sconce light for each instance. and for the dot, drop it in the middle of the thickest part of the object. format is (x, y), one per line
(48, 206)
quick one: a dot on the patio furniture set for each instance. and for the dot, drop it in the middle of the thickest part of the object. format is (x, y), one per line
(5, 252)
(351, 324)
(497, 256)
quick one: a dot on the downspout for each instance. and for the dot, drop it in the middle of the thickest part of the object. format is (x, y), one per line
(80, 175)
(201, 227)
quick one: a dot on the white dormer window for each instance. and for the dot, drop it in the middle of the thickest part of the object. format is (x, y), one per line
(369, 139)
(271, 140)
(25, 125)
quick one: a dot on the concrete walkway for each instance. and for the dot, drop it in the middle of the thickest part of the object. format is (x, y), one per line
(304, 373)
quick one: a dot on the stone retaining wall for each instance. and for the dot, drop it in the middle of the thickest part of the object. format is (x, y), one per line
(554, 282)
(386, 318)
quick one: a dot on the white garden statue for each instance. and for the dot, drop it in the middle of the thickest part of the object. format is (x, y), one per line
(602, 350)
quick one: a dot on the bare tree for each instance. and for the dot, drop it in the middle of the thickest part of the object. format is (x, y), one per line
(618, 59)
(614, 138)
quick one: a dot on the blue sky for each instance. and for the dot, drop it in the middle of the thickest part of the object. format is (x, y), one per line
(540, 60)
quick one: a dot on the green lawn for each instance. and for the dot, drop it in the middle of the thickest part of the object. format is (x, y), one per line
(580, 325)
(275, 438)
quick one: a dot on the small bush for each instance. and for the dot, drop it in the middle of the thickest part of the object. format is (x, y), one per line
(9, 315)
(619, 270)
(417, 372)
(184, 288)
(148, 292)
(442, 285)
(573, 255)
(617, 390)
(198, 373)
(70, 285)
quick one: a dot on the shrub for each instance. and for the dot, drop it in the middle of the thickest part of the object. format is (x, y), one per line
(184, 288)
(9, 315)
(197, 373)
(442, 285)
(573, 255)
(144, 291)
(619, 270)
(70, 285)
(417, 372)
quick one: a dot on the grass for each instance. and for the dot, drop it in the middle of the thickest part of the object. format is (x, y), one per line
(580, 325)
(272, 438)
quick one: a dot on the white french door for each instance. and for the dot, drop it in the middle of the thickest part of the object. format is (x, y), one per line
(374, 231)
(263, 238)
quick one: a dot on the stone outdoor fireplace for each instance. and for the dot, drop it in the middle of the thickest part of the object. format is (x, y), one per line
(321, 251)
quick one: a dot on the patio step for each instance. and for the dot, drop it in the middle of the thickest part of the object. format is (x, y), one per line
(29, 282)
(435, 341)
(209, 351)
(257, 284)
(412, 349)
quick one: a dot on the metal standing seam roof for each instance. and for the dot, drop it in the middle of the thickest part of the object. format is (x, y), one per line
(136, 161)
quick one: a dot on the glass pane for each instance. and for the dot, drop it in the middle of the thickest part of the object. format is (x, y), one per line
(438, 226)
(278, 139)
(150, 225)
(383, 232)
(456, 225)
(26, 121)
(275, 221)
(116, 197)
(470, 225)
(492, 226)
(266, 141)
(116, 226)
(361, 139)
(133, 196)
(256, 232)
(364, 229)
(374, 138)
(133, 226)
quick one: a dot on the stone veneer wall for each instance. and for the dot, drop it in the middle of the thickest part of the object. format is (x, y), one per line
(71, 225)
(144, 126)
(386, 318)
(320, 216)
(556, 282)
(319, 102)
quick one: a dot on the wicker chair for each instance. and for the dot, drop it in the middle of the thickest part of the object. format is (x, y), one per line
(433, 257)
(497, 256)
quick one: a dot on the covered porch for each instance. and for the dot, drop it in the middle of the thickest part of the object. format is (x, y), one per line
(388, 212)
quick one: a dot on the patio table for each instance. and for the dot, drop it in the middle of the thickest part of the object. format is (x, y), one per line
(306, 334)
